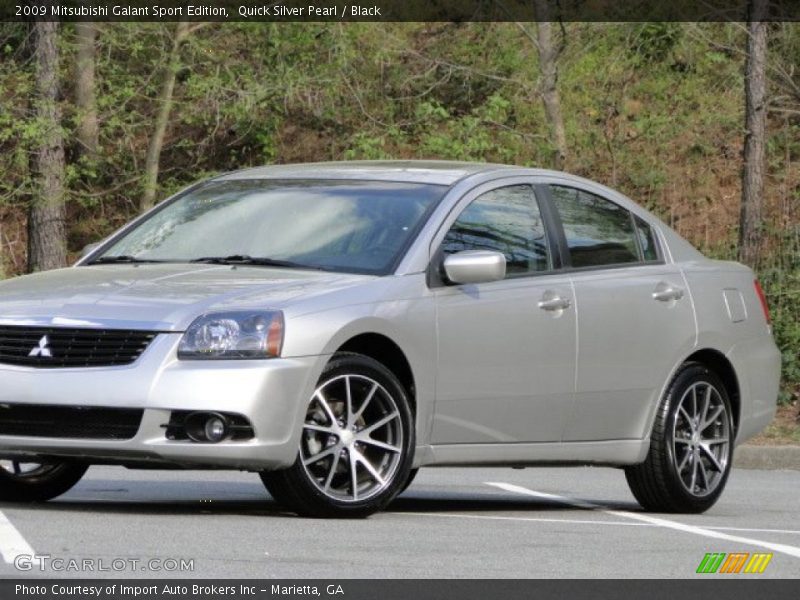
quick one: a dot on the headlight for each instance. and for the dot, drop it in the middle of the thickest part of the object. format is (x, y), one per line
(235, 334)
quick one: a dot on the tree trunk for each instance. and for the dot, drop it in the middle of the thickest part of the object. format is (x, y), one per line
(548, 65)
(151, 166)
(47, 248)
(2, 254)
(87, 134)
(755, 89)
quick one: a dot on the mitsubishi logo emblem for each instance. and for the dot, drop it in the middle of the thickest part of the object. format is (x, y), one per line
(42, 349)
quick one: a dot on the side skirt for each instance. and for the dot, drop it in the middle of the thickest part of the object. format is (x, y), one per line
(608, 453)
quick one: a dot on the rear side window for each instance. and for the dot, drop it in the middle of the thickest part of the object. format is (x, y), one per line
(504, 220)
(647, 241)
(598, 231)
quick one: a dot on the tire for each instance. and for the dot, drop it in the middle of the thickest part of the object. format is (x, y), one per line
(341, 470)
(412, 474)
(35, 482)
(691, 446)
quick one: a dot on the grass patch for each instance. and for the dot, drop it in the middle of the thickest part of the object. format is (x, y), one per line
(784, 429)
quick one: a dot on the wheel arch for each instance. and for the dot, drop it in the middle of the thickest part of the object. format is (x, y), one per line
(717, 362)
(387, 352)
(401, 339)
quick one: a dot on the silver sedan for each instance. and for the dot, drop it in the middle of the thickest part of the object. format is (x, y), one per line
(334, 327)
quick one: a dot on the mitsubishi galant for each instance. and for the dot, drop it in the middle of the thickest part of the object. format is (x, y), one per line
(334, 327)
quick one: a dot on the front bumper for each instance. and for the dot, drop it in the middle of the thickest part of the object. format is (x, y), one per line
(271, 394)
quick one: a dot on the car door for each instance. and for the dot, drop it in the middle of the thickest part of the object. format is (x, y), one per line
(506, 349)
(635, 317)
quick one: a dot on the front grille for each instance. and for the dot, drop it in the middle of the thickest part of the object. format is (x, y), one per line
(52, 347)
(78, 422)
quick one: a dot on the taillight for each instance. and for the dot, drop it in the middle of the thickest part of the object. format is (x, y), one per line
(763, 299)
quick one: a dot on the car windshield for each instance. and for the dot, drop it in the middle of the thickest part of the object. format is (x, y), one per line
(350, 226)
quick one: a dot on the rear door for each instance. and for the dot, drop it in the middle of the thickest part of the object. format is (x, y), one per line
(635, 316)
(506, 349)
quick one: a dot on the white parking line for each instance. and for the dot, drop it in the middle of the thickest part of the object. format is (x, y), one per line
(533, 519)
(12, 544)
(752, 530)
(656, 521)
(580, 521)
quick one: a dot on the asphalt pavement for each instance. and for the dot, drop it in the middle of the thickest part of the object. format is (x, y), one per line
(452, 522)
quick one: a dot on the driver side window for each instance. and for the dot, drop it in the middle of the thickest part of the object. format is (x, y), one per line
(505, 220)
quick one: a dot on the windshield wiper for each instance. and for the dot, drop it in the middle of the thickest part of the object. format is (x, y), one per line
(244, 259)
(123, 258)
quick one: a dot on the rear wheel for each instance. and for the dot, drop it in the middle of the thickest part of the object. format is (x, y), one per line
(691, 447)
(37, 482)
(356, 446)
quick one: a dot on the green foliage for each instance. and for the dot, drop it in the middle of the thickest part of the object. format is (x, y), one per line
(652, 42)
(786, 329)
(780, 278)
(364, 146)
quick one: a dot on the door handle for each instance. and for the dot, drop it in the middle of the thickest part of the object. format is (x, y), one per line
(666, 293)
(555, 303)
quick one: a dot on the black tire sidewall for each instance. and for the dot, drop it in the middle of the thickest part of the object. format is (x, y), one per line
(52, 482)
(412, 474)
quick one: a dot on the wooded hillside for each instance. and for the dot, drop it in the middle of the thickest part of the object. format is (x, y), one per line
(655, 110)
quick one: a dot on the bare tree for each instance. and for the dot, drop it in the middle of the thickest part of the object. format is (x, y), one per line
(2, 258)
(755, 134)
(47, 248)
(87, 134)
(152, 161)
(548, 65)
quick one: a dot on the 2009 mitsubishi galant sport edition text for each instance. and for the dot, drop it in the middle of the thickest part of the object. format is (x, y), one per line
(334, 327)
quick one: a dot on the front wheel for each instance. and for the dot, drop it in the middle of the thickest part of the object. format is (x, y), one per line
(356, 446)
(37, 482)
(410, 479)
(691, 446)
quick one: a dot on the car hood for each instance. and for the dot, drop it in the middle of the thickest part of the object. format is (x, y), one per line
(158, 297)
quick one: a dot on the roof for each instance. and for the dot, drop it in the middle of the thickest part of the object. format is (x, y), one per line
(439, 172)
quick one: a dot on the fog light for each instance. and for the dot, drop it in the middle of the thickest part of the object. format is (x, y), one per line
(206, 427)
(215, 429)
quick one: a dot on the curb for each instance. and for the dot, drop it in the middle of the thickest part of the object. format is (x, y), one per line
(767, 457)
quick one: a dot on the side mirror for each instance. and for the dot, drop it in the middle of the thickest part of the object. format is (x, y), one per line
(475, 266)
(89, 248)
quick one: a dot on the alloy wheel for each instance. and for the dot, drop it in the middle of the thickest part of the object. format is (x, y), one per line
(21, 469)
(352, 438)
(701, 437)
